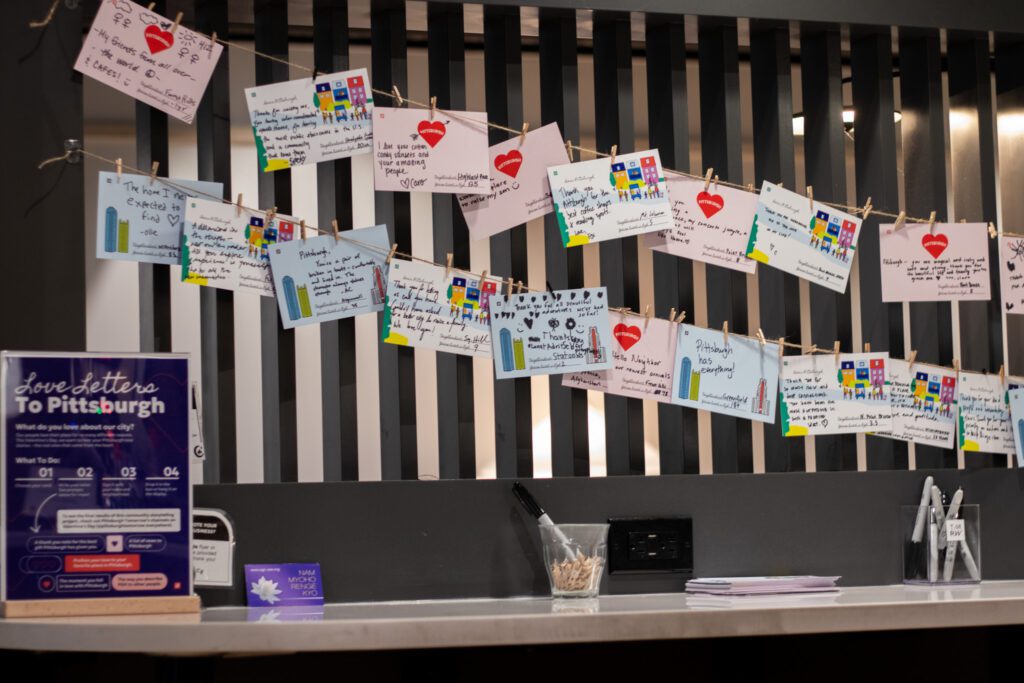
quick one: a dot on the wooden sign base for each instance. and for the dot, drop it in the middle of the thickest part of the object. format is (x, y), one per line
(14, 609)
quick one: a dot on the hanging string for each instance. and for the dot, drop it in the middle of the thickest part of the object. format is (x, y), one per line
(45, 21)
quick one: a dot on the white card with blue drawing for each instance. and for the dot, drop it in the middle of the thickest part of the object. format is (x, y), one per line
(605, 199)
(924, 403)
(551, 333)
(984, 422)
(226, 249)
(323, 278)
(738, 376)
(140, 220)
(813, 241)
(820, 394)
(429, 306)
(1016, 397)
(310, 120)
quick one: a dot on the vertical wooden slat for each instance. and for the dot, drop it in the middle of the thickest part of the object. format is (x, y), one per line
(216, 306)
(334, 201)
(559, 103)
(774, 160)
(397, 365)
(875, 155)
(504, 92)
(924, 179)
(668, 122)
(722, 149)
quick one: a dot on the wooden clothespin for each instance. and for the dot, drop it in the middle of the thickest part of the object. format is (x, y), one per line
(448, 264)
(508, 288)
(522, 135)
(760, 337)
(302, 229)
(647, 315)
(270, 215)
(151, 6)
(867, 347)
(810, 197)
(913, 357)
(750, 187)
(1002, 374)
(672, 315)
(931, 223)
(956, 365)
(992, 231)
(397, 95)
(334, 229)
(867, 209)
(568, 150)
(433, 106)
(238, 205)
(681, 317)
(782, 347)
(811, 349)
(391, 254)
(483, 276)
(707, 179)
(725, 331)
(615, 150)
(900, 220)
(519, 287)
(177, 20)
(152, 172)
(213, 39)
(835, 350)
(716, 182)
(119, 164)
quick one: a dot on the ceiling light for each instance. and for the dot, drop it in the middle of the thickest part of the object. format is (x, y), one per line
(798, 121)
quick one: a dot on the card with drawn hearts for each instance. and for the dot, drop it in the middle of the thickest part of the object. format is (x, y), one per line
(551, 333)
(416, 150)
(642, 352)
(519, 183)
(139, 220)
(943, 262)
(146, 56)
(1011, 274)
(822, 394)
(710, 225)
(734, 376)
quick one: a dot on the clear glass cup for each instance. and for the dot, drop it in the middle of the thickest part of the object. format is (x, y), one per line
(575, 556)
(929, 558)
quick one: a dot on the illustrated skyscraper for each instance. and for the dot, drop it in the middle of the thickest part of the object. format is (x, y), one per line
(291, 298)
(110, 231)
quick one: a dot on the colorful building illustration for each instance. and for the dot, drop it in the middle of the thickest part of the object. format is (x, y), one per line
(689, 381)
(512, 355)
(342, 100)
(761, 404)
(357, 91)
(378, 290)
(285, 231)
(260, 237)
(304, 307)
(110, 231)
(468, 301)
(291, 298)
(863, 379)
(595, 352)
(123, 234)
(832, 235)
(636, 179)
(933, 393)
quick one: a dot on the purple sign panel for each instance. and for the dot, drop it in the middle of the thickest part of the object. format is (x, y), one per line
(281, 585)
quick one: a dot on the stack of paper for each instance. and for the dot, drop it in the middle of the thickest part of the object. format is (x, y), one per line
(762, 585)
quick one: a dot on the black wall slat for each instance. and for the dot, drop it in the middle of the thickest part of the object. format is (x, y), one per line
(559, 103)
(821, 74)
(668, 123)
(875, 157)
(721, 149)
(774, 160)
(397, 364)
(924, 179)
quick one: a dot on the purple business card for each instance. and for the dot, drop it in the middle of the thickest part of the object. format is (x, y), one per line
(273, 585)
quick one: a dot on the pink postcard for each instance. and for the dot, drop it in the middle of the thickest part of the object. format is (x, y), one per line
(944, 262)
(1011, 274)
(146, 56)
(519, 183)
(416, 151)
(711, 225)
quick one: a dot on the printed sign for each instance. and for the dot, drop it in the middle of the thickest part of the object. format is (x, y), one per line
(606, 199)
(817, 244)
(213, 545)
(1016, 397)
(416, 151)
(984, 414)
(924, 403)
(283, 585)
(947, 262)
(322, 279)
(822, 395)
(519, 183)
(310, 120)
(148, 57)
(95, 471)
(710, 225)
(551, 333)
(1011, 274)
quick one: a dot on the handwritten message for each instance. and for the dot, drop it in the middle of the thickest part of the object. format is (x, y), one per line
(710, 225)
(737, 377)
(1017, 421)
(607, 198)
(1011, 274)
(143, 54)
(431, 308)
(321, 279)
(416, 151)
(139, 220)
(946, 262)
(642, 353)
(924, 403)
(551, 333)
(822, 395)
(816, 243)
(984, 414)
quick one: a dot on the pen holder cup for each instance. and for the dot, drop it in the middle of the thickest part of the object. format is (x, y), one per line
(575, 556)
(936, 552)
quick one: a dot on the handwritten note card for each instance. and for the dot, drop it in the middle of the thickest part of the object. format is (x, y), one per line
(429, 308)
(1011, 274)
(551, 333)
(984, 414)
(710, 225)
(1017, 421)
(136, 51)
(229, 251)
(948, 262)
(822, 396)
(311, 119)
(924, 403)
(519, 183)
(736, 377)
(817, 244)
(139, 220)
(606, 199)
(321, 279)
(642, 353)
(414, 151)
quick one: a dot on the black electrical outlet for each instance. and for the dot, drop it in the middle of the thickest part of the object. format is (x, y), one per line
(650, 544)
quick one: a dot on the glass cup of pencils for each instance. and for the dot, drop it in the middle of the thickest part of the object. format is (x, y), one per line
(575, 556)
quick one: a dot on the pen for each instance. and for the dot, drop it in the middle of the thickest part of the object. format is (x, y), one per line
(533, 507)
(922, 510)
(940, 519)
(933, 548)
(972, 567)
(953, 513)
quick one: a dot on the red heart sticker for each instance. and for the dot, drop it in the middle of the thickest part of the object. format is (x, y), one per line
(626, 334)
(710, 204)
(509, 163)
(158, 39)
(431, 132)
(935, 244)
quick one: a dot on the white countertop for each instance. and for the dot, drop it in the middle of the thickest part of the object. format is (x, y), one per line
(520, 621)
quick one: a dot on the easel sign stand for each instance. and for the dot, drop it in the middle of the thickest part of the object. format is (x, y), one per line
(97, 503)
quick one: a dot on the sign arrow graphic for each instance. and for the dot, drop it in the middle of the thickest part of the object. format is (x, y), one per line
(35, 527)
